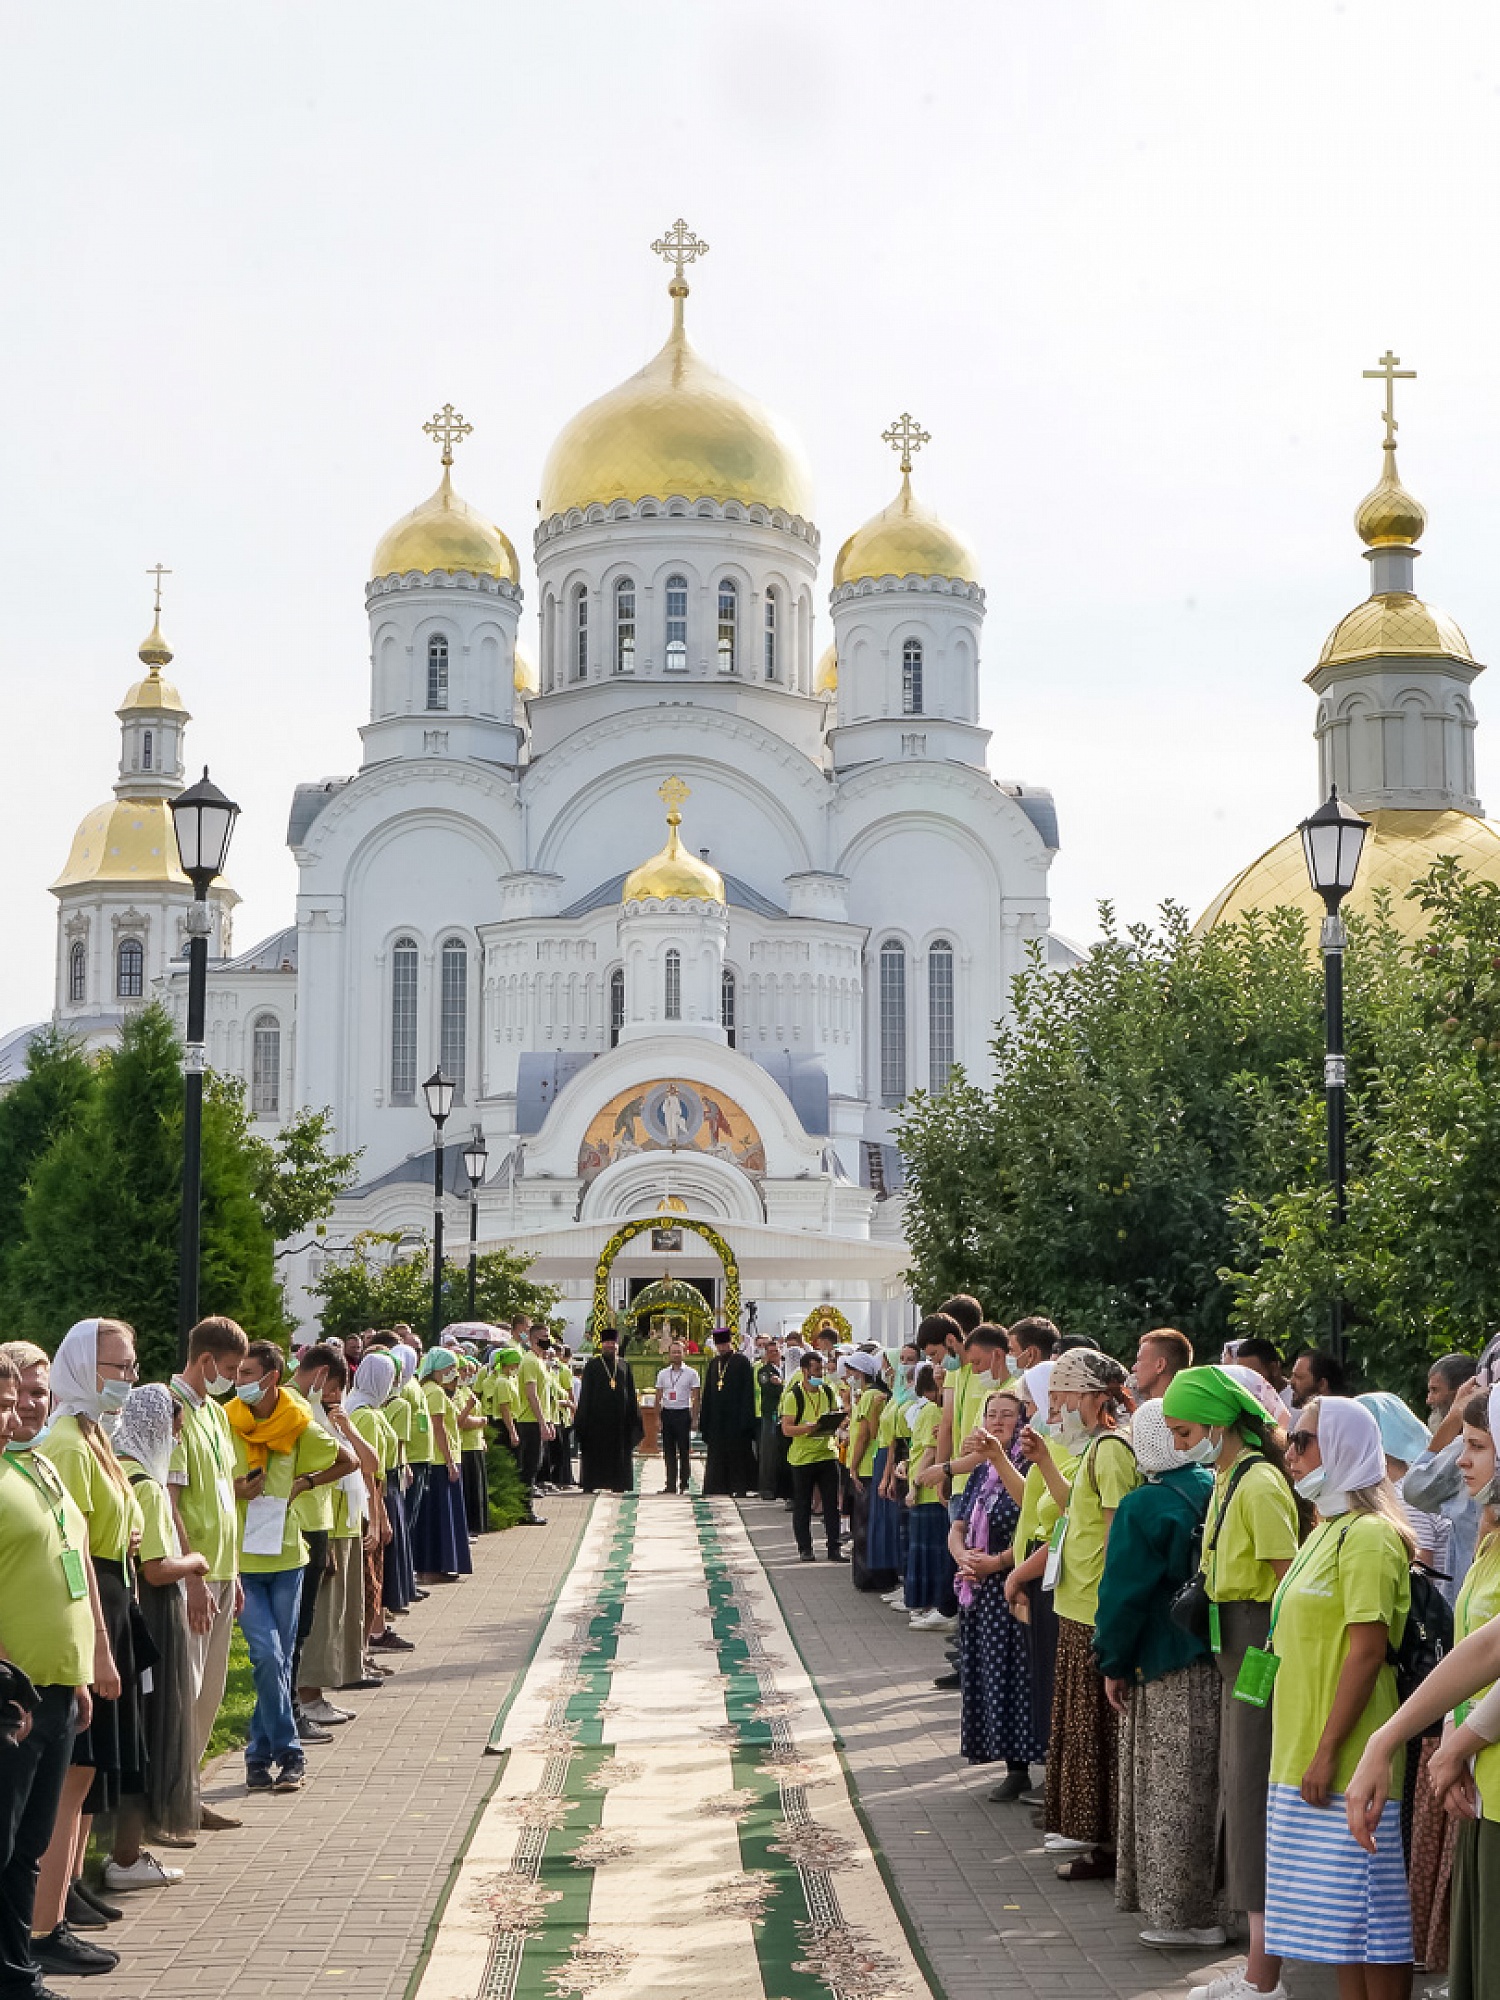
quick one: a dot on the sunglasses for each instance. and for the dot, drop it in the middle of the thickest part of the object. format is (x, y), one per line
(1300, 1440)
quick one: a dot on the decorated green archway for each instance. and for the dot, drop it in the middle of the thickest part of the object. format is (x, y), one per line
(627, 1233)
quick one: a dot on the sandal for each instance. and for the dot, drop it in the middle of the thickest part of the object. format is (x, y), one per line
(1090, 1867)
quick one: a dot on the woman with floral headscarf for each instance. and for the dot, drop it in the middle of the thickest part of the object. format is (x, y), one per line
(1089, 1407)
(1338, 1614)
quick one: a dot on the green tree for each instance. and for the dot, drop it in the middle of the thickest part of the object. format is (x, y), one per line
(297, 1178)
(45, 1102)
(373, 1289)
(101, 1220)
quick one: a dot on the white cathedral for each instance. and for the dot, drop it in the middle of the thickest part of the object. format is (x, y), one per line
(684, 913)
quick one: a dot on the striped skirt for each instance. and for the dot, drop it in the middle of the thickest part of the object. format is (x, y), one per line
(1327, 1901)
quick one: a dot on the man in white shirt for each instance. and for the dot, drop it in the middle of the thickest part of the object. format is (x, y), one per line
(677, 1389)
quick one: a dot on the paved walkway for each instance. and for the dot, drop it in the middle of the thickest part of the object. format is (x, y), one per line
(332, 1890)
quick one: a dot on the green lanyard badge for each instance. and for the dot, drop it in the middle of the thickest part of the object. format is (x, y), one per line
(51, 1489)
(1260, 1666)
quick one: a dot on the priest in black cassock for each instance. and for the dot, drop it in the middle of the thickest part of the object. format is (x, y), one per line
(727, 1421)
(607, 1424)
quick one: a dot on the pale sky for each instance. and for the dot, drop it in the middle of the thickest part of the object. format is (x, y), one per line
(1124, 261)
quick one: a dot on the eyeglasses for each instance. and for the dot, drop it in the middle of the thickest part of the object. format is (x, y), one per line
(126, 1370)
(1300, 1440)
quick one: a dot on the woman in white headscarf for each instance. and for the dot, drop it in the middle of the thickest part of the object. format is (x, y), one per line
(374, 1384)
(1340, 1609)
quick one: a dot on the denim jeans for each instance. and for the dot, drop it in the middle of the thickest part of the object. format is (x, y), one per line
(268, 1620)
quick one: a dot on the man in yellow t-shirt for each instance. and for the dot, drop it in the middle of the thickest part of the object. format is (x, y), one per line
(805, 1411)
(533, 1416)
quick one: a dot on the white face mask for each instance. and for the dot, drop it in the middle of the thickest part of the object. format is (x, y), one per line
(113, 1397)
(1204, 1452)
(1072, 1429)
(1311, 1484)
(219, 1385)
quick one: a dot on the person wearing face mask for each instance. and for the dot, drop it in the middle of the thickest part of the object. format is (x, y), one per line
(52, 1632)
(93, 1371)
(1250, 1535)
(334, 1653)
(312, 1511)
(200, 1487)
(1336, 1618)
(1028, 1595)
(440, 1535)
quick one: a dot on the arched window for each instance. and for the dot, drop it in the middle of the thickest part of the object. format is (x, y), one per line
(404, 1021)
(892, 1021)
(616, 1006)
(130, 969)
(911, 677)
(625, 625)
(726, 1004)
(265, 1066)
(453, 1018)
(939, 1015)
(146, 748)
(677, 603)
(729, 613)
(581, 633)
(78, 972)
(672, 996)
(437, 672)
(770, 635)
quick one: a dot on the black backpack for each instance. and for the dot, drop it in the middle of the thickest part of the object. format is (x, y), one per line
(1429, 1631)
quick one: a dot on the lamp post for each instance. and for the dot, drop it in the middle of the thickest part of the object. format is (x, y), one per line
(1333, 839)
(476, 1154)
(203, 821)
(439, 1094)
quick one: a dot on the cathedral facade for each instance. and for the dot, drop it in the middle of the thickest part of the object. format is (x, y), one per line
(684, 911)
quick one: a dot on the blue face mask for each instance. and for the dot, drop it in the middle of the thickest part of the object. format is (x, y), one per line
(113, 1397)
(951, 1364)
(250, 1392)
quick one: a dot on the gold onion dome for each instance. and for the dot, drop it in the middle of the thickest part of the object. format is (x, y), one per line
(445, 533)
(905, 539)
(124, 840)
(1389, 516)
(1401, 847)
(1394, 623)
(674, 875)
(527, 679)
(151, 691)
(826, 673)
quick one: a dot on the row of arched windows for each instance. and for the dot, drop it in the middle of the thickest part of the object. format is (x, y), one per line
(453, 1016)
(622, 639)
(671, 998)
(130, 971)
(892, 994)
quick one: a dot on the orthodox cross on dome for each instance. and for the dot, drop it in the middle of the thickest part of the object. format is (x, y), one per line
(447, 428)
(680, 247)
(906, 435)
(159, 570)
(672, 793)
(1390, 372)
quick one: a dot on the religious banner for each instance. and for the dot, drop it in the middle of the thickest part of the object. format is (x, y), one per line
(670, 1117)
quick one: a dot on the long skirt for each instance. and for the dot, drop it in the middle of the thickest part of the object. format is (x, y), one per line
(476, 1490)
(1429, 1865)
(1244, 1763)
(172, 1804)
(930, 1569)
(886, 1548)
(398, 1580)
(334, 1655)
(865, 1574)
(1169, 1742)
(1041, 1656)
(440, 1535)
(114, 1744)
(1082, 1761)
(1476, 1911)
(1327, 1901)
(995, 1683)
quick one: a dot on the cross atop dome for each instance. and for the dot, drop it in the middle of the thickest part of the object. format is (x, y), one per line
(906, 435)
(447, 428)
(154, 652)
(1390, 372)
(672, 793)
(679, 247)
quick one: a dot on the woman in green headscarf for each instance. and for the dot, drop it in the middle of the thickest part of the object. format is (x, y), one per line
(1250, 1536)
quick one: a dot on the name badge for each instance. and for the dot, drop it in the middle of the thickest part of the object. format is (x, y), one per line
(1053, 1569)
(1215, 1636)
(73, 1576)
(225, 1492)
(1256, 1677)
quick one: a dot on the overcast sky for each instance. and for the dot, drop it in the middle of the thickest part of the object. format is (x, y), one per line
(1124, 261)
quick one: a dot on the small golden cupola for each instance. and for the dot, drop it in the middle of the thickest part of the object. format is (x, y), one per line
(445, 533)
(674, 875)
(905, 538)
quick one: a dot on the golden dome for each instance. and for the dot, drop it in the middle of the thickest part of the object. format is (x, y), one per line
(1389, 516)
(151, 691)
(674, 875)
(1394, 623)
(905, 539)
(677, 427)
(528, 679)
(445, 533)
(1402, 846)
(826, 673)
(124, 840)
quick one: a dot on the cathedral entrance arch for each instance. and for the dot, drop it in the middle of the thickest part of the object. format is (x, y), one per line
(601, 1316)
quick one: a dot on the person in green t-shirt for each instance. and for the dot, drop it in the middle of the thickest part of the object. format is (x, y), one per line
(805, 1410)
(533, 1415)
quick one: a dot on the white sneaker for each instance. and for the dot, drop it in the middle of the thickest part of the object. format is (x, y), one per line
(326, 1712)
(1059, 1843)
(1205, 1939)
(893, 1596)
(932, 1621)
(145, 1873)
(1235, 1986)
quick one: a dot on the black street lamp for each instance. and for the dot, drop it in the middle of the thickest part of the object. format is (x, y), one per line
(476, 1156)
(439, 1094)
(1333, 839)
(203, 821)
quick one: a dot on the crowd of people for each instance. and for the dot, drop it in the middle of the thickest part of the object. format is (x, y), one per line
(1213, 1602)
